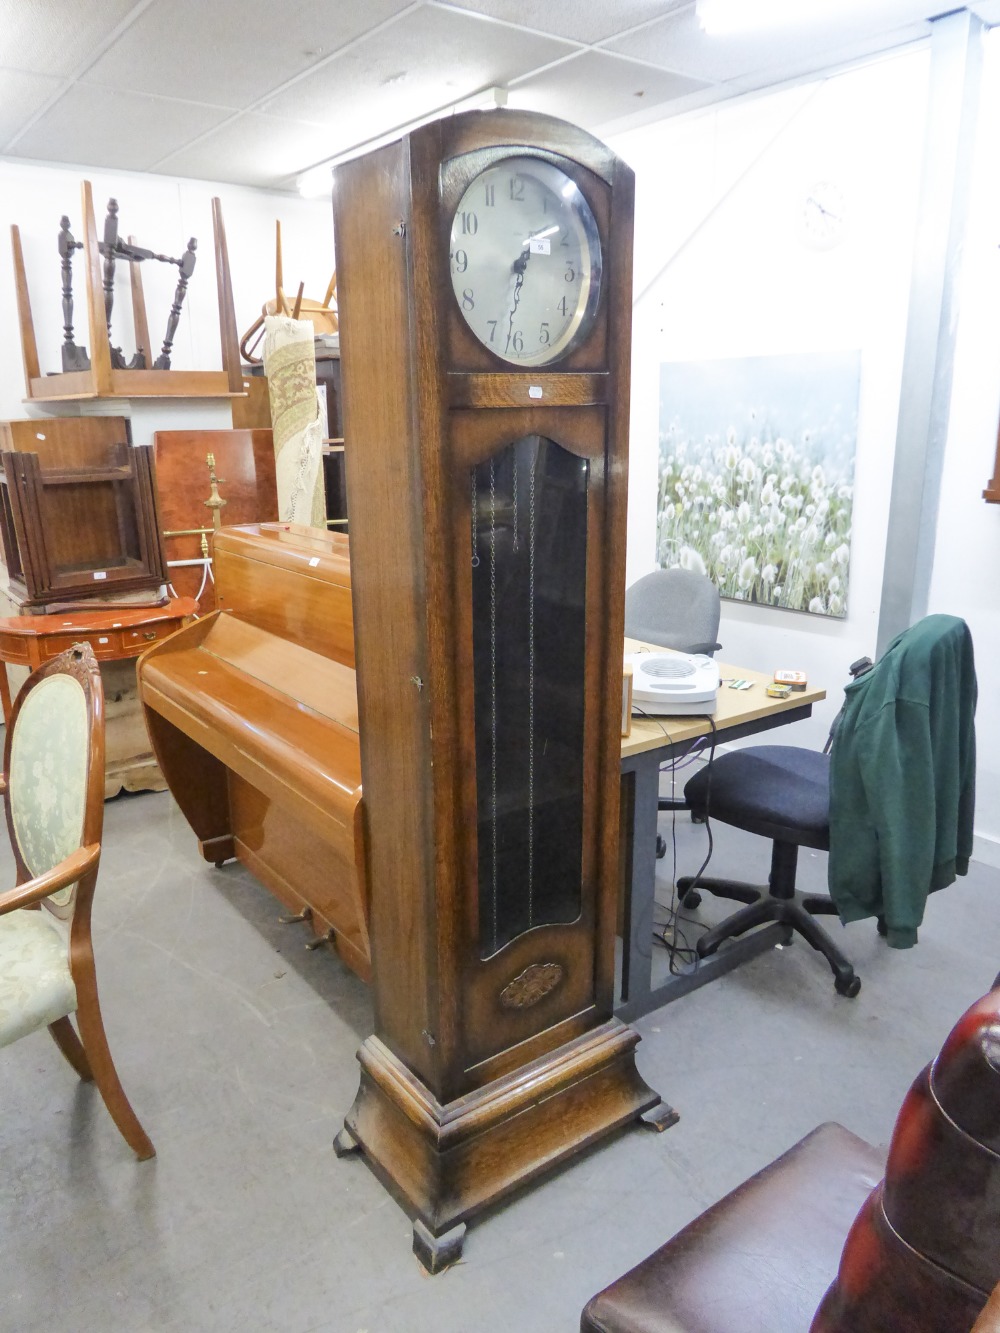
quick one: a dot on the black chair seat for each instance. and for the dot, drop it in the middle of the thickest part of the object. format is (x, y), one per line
(778, 791)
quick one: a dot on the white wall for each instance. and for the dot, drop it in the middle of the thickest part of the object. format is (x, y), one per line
(162, 212)
(721, 271)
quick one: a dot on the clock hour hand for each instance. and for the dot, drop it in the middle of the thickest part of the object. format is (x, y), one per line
(834, 217)
(519, 266)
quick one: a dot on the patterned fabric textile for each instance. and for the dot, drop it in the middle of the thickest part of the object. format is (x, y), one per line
(35, 983)
(290, 364)
(48, 777)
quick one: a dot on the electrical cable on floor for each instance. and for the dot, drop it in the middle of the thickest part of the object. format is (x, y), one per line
(683, 957)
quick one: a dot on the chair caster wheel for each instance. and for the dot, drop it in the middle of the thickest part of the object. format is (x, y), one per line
(661, 847)
(847, 986)
(697, 819)
(691, 899)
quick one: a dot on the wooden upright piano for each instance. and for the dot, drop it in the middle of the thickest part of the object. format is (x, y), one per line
(253, 716)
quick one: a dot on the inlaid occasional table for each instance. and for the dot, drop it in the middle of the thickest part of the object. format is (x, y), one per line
(117, 636)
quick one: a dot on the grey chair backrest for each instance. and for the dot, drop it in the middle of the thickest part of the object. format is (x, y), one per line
(674, 608)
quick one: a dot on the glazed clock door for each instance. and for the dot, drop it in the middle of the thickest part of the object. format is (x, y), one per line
(527, 530)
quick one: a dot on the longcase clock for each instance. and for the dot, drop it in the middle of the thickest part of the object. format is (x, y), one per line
(484, 278)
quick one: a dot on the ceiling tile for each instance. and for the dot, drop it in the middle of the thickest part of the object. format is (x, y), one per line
(55, 36)
(20, 97)
(253, 149)
(678, 43)
(584, 20)
(230, 55)
(428, 59)
(593, 88)
(102, 128)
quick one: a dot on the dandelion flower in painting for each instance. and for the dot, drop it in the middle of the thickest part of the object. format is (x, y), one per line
(748, 470)
(690, 559)
(732, 456)
(816, 606)
(842, 554)
(768, 574)
(748, 571)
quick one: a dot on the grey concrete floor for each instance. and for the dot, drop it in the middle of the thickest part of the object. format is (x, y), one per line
(236, 1047)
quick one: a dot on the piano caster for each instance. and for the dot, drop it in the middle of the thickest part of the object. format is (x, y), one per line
(304, 915)
(320, 940)
(438, 1252)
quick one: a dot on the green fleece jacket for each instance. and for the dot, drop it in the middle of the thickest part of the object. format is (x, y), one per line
(902, 778)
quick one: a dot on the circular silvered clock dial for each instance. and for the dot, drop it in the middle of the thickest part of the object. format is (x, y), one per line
(525, 260)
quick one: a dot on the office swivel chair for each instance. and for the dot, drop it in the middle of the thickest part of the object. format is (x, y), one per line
(902, 810)
(674, 608)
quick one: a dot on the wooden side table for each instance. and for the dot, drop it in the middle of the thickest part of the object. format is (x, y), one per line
(115, 636)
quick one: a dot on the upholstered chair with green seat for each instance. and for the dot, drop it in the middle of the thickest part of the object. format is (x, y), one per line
(53, 789)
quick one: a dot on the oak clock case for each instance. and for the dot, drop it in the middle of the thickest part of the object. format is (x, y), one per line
(488, 529)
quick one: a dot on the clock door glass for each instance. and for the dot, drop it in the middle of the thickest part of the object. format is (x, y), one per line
(529, 549)
(525, 260)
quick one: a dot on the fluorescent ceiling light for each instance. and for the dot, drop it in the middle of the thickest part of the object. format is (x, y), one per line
(718, 17)
(316, 182)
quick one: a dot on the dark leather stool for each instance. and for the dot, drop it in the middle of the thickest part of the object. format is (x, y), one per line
(761, 1259)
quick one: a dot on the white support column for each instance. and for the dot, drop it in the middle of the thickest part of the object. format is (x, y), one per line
(925, 396)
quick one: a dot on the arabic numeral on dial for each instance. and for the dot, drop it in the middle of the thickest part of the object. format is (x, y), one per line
(564, 240)
(517, 342)
(469, 223)
(543, 334)
(493, 328)
(570, 274)
(491, 195)
(516, 189)
(468, 299)
(563, 306)
(461, 261)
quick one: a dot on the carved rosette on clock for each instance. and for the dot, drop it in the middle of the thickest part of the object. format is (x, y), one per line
(484, 277)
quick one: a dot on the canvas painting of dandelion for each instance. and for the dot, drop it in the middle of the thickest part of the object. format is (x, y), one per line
(756, 482)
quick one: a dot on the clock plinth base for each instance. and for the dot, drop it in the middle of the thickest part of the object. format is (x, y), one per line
(449, 1161)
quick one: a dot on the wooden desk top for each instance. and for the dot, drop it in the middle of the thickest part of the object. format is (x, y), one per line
(733, 708)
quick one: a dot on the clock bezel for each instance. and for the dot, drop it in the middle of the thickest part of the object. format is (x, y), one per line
(587, 349)
(575, 328)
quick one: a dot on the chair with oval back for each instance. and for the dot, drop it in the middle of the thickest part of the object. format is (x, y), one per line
(53, 788)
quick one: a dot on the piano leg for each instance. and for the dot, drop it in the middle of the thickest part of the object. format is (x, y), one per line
(199, 784)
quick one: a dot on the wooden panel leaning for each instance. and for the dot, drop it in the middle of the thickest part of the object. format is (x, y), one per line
(253, 716)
